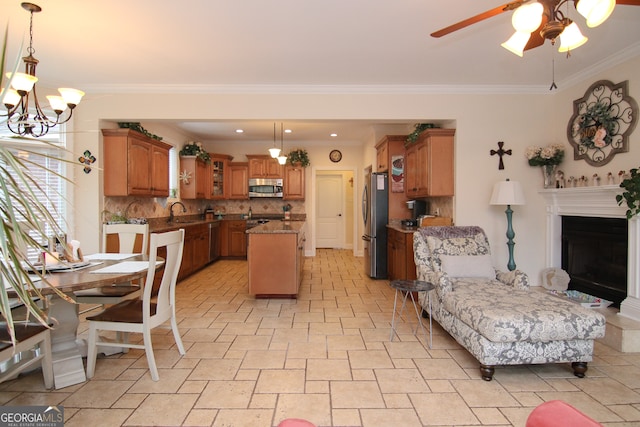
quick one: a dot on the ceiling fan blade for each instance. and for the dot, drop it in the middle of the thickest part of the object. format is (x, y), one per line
(480, 17)
(629, 2)
(536, 38)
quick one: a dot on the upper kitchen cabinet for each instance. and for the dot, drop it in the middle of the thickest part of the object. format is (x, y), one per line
(391, 158)
(293, 183)
(135, 164)
(264, 166)
(238, 180)
(429, 164)
(194, 180)
(218, 176)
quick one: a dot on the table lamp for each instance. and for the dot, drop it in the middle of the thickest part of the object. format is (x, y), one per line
(508, 193)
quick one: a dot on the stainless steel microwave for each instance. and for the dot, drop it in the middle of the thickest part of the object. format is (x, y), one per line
(270, 187)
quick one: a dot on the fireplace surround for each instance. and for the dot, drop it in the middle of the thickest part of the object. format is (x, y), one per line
(599, 202)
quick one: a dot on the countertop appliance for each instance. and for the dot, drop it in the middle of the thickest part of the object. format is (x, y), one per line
(375, 213)
(265, 187)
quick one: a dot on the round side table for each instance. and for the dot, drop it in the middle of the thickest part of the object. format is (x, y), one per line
(408, 287)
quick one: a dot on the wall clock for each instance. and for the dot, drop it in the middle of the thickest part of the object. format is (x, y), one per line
(601, 123)
(335, 156)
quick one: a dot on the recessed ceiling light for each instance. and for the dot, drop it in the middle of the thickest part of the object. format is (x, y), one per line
(239, 131)
(333, 135)
(287, 131)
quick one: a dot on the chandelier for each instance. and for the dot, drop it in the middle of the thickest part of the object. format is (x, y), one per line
(527, 18)
(30, 120)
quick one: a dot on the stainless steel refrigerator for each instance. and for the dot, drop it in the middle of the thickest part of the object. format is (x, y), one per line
(375, 213)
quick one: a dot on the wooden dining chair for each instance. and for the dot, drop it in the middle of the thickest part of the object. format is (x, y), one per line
(143, 315)
(30, 337)
(130, 237)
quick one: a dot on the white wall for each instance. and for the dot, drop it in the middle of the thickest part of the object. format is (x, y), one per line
(482, 120)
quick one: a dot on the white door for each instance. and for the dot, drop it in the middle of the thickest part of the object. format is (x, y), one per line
(329, 215)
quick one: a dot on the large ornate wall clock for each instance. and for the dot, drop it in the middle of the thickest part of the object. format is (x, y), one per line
(601, 123)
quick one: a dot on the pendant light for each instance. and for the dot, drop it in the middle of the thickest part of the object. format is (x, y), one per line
(275, 151)
(282, 159)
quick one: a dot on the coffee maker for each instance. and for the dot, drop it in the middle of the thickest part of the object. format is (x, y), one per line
(417, 208)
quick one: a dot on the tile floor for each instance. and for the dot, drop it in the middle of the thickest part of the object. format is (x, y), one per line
(325, 357)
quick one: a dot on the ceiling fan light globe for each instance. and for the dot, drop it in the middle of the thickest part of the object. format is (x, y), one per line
(571, 38)
(595, 11)
(527, 18)
(516, 43)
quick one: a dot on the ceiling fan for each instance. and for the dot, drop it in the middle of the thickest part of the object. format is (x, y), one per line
(536, 21)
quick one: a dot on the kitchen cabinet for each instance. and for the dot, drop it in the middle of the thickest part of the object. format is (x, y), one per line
(264, 166)
(285, 251)
(195, 252)
(429, 165)
(400, 262)
(197, 186)
(233, 239)
(391, 158)
(238, 180)
(134, 164)
(293, 183)
(214, 241)
(218, 176)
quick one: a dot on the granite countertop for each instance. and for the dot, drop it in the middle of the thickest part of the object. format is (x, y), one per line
(277, 227)
(396, 225)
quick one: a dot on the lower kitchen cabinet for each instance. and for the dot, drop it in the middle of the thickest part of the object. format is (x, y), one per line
(195, 253)
(233, 239)
(400, 262)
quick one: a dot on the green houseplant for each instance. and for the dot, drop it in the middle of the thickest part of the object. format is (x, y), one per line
(24, 212)
(631, 194)
(299, 155)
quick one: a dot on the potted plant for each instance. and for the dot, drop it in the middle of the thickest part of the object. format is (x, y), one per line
(193, 148)
(298, 156)
(24, 214)
(631, 194)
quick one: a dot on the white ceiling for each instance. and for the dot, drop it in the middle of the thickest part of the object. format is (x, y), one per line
(298, 45)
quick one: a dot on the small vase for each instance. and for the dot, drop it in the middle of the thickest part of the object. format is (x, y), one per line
(549, 175)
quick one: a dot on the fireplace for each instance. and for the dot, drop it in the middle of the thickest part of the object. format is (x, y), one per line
(594, 254)
(594, 202)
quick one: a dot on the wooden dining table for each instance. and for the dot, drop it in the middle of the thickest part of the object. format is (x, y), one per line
(67, 349)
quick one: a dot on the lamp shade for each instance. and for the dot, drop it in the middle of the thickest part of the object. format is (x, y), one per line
(527, 18)
(571, 38)
(507, 193)
(517, 43)
(595, 11)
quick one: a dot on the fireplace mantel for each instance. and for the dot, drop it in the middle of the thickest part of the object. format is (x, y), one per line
(601, 202)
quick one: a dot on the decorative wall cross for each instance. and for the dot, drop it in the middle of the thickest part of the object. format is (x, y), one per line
(500, 152)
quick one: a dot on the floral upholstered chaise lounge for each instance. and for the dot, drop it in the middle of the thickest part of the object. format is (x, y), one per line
(493, 314)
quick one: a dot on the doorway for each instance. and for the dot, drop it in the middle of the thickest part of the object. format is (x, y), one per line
(334, 209)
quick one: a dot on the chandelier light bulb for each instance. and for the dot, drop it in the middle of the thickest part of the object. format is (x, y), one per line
(595, 11)
(11, 98)
(517, 42)
(71, 96)
(571, 38)
(527, 18)
(22, 82)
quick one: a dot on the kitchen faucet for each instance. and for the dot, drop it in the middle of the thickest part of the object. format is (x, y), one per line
(184, 210)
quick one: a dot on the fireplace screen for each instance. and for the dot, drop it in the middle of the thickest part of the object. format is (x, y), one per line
(594, 254)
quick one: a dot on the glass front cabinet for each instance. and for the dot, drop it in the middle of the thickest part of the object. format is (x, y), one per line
(218, 188)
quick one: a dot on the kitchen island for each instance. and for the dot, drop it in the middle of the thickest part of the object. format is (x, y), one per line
(275, 255)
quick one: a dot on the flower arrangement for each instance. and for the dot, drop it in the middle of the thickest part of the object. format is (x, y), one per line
(193, 148)
(552, 154)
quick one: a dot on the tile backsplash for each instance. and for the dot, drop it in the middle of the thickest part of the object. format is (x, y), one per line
(138, 207)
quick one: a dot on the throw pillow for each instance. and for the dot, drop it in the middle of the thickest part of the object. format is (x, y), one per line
(468, 266)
